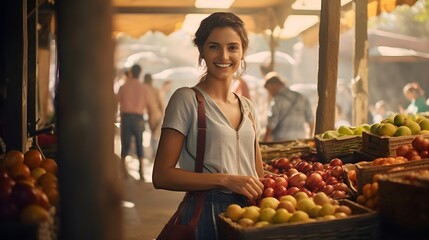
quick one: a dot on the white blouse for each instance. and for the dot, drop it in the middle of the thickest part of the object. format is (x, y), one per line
(227, 150)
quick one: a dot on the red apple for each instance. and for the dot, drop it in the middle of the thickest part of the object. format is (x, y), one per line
(291, 171)
(301, 165)
(331, 181)
(402, 150)
(336, 162)
(268, 192)
(341, 186)
(6, 186)
(338, 194)
(280, 181)
(269, 183)
(328, 189)
(296, 178)
(418, 143)
(280, 191)
(292, 190)
(317, 166)
(424, 154)
(23, 195)
(337, 172)
(313, 181)
(282, 163)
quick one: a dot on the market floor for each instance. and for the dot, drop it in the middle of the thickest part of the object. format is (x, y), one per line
(145, 209)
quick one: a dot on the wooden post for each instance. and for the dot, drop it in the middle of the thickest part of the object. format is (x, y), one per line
(329, 34)
(14, 72)
(32, 19)
(360, 70)
(89, 186)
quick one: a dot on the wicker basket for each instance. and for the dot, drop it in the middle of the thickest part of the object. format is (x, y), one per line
(363, 224)
(382, 146)
(365, 171)
(403, 203)
(273, 150)
(337, 147)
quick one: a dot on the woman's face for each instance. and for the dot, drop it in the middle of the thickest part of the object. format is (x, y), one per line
(222, 53)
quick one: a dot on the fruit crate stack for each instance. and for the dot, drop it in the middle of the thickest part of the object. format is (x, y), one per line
(272, 150)
(404, 198)
(362, 224)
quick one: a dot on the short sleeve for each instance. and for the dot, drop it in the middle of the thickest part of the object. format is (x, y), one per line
(180, 111)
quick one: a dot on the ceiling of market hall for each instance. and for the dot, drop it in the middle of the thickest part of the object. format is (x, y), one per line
(136, 17)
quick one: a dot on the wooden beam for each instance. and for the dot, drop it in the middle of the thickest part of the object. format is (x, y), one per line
(329, 34)
(360, 70)
(32, 20)
(14, 73)
(89, 186)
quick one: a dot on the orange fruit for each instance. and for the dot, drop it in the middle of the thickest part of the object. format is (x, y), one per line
(47, 179)
(19, 169)
(34, 214)
(12, 158)
(33, 158)
(37, 172)
(53, 196)
(50, 165)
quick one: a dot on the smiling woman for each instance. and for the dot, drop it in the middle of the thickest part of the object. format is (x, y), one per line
(229, 172)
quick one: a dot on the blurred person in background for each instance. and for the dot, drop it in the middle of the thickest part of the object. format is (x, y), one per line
(416, 95)
(340, 117)
(231, 170)
(133, 101)
(155, 112)
(380, 111)
(289, 112)
(240, 87)
(165, 91)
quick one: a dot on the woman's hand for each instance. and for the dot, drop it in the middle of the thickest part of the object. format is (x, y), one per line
(250, 187)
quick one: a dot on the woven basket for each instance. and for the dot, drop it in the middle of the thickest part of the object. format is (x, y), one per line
(337, 147)
(382, 146)
(273, 150)
(363, 224)
(365, 171)
(404, 203)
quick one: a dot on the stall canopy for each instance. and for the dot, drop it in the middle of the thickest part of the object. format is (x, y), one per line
(135, 17)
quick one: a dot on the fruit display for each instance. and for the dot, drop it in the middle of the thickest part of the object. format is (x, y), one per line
(297, 208)
(401, 125)
(346, 131)
(28, 187)
(298, 175)
(370, 196)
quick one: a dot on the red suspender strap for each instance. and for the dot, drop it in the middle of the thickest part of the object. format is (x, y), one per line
(201, 145)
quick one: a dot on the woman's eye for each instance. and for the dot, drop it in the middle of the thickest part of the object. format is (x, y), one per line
(213, 47)
(234, 48)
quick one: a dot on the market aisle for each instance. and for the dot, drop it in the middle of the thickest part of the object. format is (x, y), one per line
(145, 209)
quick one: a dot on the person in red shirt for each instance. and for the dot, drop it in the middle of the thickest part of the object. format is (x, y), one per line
(133, 101)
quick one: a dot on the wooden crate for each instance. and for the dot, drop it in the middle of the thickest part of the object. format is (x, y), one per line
(404, 203)
(363, 224)
(337, 147)
(383, 146)
(365, 171)
(273, 150)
